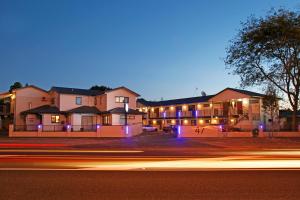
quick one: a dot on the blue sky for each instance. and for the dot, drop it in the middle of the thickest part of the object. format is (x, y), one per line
(159, 48)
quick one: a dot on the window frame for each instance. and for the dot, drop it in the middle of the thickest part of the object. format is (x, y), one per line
(55, 119)
(121, 99)
(76, 101)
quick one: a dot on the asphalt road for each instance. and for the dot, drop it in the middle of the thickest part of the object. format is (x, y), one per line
(207, 185)
(149, 167)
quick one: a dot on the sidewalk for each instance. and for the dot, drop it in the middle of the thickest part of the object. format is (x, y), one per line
(153, 141)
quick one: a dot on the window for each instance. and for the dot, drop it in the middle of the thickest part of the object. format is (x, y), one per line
(193, 122)
(55, 119)
(126, 99)
(78, 100)
(216, 112)
(121, 99)
(105, 120)
(192, 107)
(95, 100)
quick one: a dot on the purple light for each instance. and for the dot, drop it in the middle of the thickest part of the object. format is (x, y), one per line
(126, 130)
(261, 126)
(179, 130)
(179, 114)
(196, 113)
(68, 126)
(40, 126)
(165, 114)
(98, 126)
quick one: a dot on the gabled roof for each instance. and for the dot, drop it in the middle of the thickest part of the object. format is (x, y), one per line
(85, 109)
(87, 92)
(121, 110)
(199, 99)
(46, 109)
(76, 91)
(246, 92)
(125, 88)
(4, 95)
(32, 86)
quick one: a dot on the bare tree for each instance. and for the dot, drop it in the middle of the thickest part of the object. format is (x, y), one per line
(267, 51)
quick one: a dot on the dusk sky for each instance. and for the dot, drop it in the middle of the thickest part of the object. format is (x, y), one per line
(157, 48)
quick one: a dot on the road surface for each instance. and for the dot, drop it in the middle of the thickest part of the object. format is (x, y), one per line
(207, 185)
(149, 168)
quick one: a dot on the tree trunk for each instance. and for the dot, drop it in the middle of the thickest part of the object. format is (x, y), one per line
(294, 119)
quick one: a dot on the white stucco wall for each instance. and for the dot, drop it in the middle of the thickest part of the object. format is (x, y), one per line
(68, 101)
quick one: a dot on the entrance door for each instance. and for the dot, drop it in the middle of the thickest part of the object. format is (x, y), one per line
(226, 109)
(87, 122)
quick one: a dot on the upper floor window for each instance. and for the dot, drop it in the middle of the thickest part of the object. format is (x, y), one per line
(121, 99)
(192, 107)
(206, 105)
(78, 100)
(95, 100)
(53, 101)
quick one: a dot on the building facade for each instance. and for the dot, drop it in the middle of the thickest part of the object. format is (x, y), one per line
(61, 108)
(235, 109)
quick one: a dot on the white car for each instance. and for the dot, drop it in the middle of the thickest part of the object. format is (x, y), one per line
(149, 128)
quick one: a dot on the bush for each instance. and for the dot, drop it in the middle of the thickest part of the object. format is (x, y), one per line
(255, 132)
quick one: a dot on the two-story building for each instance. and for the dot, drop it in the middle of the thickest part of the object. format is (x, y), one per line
(79, 109)
(233, 108)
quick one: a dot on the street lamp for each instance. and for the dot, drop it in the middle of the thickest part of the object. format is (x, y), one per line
(126, 108)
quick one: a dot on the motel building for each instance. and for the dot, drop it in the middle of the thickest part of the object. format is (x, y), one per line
(72, 112)
(234, 109)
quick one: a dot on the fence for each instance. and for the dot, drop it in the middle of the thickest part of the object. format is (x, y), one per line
(76, 131)
(215, 131)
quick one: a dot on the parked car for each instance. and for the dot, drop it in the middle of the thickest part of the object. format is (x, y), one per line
(149, 128)
(169, 129)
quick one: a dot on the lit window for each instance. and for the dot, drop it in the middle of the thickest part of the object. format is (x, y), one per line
(78, 100)
(120, 99)
(55, 119)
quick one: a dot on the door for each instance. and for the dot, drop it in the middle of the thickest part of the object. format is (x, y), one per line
(87, 122)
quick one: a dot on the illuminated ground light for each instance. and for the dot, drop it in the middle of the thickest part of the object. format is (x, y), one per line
(179, 130)
(127, 130)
